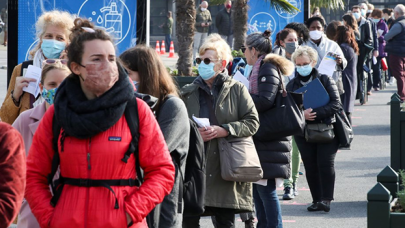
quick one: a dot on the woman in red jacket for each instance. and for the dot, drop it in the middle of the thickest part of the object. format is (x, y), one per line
(94, 137)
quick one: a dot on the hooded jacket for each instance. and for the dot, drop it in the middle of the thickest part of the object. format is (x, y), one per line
(275, 154)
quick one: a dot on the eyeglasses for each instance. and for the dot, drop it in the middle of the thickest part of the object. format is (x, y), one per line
(53, 61)
(243, 49)
(205, 60)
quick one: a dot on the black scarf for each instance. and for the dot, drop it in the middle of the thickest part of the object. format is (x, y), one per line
(83, 118)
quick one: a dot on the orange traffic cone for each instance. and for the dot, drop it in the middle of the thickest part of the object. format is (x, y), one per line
(171, 53)
(163, 49)
(157, 47)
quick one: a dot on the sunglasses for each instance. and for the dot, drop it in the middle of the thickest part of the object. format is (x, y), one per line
(205, 60)
(53, 61)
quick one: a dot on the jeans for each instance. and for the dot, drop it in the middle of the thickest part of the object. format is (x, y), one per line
(295, 166)
(168, 40)
(228, 39)
(267, 206)
(397, 65)
(222, 218)
(199, 39)
(319, 162)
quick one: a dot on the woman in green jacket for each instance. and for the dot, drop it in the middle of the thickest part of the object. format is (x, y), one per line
(231, 112)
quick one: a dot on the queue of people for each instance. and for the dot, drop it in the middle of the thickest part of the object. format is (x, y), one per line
(98, 155)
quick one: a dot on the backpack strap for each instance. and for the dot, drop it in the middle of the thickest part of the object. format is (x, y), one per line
(132, 117)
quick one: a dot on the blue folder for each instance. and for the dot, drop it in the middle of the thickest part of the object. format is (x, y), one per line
(315, 95)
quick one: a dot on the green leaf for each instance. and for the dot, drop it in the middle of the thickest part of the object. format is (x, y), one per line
(331, 4)
(277, 4)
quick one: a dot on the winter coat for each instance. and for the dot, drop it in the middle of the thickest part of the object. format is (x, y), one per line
(325, 113)
(366, 39)
(235, 111)
(27, 123)
(223, 22)
(9, 111)
(275, 154)
(396, 38)
(12, 173)
(94, 206)
(202, 17)
(381, 25)
(349, 78)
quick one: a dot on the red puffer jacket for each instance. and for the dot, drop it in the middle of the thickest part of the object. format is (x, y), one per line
(94, 206)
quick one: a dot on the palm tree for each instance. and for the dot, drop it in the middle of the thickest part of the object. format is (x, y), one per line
(185, 12)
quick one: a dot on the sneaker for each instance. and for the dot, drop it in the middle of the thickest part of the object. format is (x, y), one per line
(369, 93)
(295, 189)
(324, 205)
(288, 195)
(392, 80)
(250, 223)
(314, 207)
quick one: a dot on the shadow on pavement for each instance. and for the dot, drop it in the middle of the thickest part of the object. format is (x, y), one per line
(338, 210)
(372, 130)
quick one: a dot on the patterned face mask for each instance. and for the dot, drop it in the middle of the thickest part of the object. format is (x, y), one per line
(49, 95)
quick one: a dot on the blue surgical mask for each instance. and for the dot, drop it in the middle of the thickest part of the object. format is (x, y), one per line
(206, 71)
(248, 69)
(52, 48)
(136, 84)
(363, 12)
(304, 71)
(376, 20)
(356, 15)
(49, 95)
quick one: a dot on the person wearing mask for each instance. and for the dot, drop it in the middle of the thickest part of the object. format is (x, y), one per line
(223, 22)
(323, 46)
(93, 144)
(364, 10)
(346, 39)
(52, 75)
(396, 48)
(202, 22)
(318, 158)
(153, 79)
(275, 155)
(302, 31)
(387, 13)
(231, 113)
(288, 42)
(52, 30)
(168, 29)
(13, 170)
(365, 44)
(382, 30)
(349, 21)
(370, 8)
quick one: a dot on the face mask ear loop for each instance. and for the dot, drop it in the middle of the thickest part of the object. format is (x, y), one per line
(79, 74)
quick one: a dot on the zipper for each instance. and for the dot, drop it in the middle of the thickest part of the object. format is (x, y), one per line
(87, 189)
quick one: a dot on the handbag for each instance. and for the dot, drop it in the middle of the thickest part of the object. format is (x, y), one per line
(319, 133)
(343, 129)
(239, 160)
(286, 118)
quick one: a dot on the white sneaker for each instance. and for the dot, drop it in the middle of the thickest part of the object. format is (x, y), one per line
(392, 80)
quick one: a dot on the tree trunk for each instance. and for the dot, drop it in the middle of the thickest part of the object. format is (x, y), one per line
(240, 17)
(185, 12)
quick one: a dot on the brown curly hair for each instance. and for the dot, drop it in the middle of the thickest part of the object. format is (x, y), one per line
(344, 34)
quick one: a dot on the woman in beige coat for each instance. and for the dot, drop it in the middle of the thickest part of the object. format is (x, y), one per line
(231, 112)
(53, 30)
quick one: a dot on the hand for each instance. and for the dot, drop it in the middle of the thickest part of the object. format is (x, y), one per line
(339, 60)
(375, 53)
(221, 132)
(20, 83)
(309, 115)
(207, 133)
(202, 24)
(129, 220)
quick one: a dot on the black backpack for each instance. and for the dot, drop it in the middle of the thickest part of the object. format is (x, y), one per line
(131, 115)
(193, 187)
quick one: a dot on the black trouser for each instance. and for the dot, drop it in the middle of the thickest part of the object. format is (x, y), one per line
(369, 63)
(377, 73)
(349, 117)
(223, 218)
(360, 75)
(319, 162)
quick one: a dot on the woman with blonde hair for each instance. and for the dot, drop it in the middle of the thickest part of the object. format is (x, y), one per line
(52, 31)
(149, 75)
(52, 75)
(231, 113)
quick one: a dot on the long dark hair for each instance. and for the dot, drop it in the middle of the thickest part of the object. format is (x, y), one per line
(351, 22)
(154, 78)
(344, 34)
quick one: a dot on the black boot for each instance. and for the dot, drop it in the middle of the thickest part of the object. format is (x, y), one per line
(314, 207)
(250, 223)
(324, 205)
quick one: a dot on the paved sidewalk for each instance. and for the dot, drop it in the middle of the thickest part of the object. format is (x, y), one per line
(356, 170)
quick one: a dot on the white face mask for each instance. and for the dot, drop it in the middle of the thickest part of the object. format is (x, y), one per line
(316, 34)
(203, 9)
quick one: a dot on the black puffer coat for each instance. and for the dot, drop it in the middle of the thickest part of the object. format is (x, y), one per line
(326, 113)
(274, 154)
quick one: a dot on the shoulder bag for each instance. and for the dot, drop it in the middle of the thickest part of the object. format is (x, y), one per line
(286, 118)
(319, 133)
(343, 129)
(239, 160)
